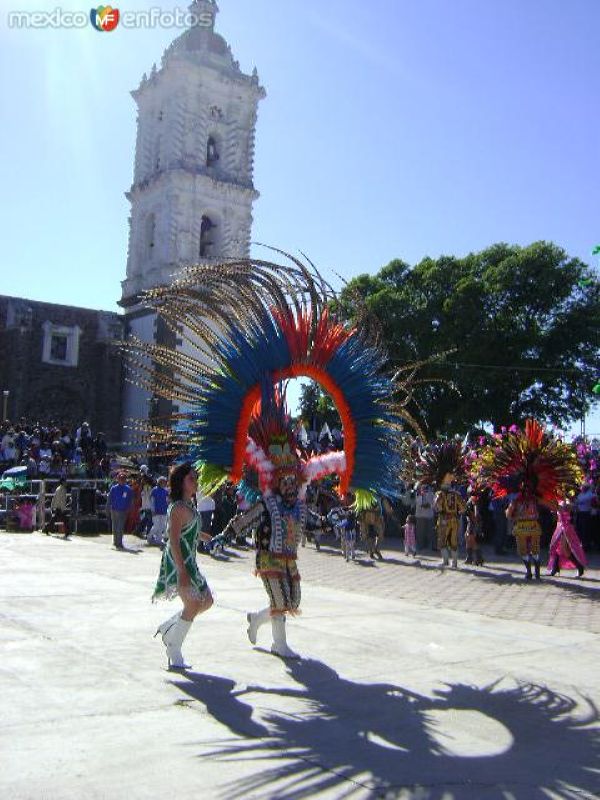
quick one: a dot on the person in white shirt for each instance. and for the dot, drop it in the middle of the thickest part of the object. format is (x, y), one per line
(146, 508)
(58, 508)
(206, 508)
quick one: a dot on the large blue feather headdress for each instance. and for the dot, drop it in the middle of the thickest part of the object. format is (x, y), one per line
(247, 321)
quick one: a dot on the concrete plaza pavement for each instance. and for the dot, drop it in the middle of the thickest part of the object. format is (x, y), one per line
(415, 682)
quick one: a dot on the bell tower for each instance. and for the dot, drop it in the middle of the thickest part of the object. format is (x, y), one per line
(192, 192)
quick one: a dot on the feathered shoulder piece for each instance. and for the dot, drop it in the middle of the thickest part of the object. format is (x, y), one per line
(531, 463)
(248, 321)
(439, 459)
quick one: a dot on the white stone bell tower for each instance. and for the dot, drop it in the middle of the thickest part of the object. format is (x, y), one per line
(192, 193)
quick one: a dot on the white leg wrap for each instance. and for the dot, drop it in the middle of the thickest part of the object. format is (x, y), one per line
(255, 621)
(280, 646)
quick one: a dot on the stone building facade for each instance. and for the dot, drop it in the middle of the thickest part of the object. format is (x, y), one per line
(59, 364)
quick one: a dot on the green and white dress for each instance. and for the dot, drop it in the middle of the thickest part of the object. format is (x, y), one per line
(166, 585)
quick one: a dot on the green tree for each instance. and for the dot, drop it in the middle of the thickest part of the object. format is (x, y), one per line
(327, 412)
(310, 394)
(317, 406)
(523, 324)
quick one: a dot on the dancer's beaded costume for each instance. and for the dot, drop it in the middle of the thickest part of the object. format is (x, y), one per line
(278, 530)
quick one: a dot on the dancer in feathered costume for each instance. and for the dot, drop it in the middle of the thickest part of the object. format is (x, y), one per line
(439, 466)
(279, 517)
(536, 469)
(255, 324)
(566, 550)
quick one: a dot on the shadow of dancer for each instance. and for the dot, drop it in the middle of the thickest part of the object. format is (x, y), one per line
(217, 694)
(378, 740)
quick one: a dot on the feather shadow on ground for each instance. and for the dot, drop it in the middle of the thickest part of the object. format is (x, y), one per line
(524, 742)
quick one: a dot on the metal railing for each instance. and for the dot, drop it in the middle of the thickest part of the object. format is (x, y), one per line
(41, 491)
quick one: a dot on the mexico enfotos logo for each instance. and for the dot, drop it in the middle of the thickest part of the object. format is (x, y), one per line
(107, 18)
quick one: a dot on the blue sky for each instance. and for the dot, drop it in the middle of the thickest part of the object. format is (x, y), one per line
(394, 128)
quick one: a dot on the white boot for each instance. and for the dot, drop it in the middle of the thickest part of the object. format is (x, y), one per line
(173, 639)
(445, 556)
(164, 626)
(454, 559)
(279, 646)
(255, 621)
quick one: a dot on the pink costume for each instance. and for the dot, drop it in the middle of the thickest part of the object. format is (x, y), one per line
(565, 544)
(410, 541)
(26, 515)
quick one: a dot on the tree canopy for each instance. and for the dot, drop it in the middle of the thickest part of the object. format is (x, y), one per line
(523, 324)
(317, 407)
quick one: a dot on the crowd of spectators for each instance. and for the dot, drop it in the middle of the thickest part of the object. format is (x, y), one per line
(62, 451)
(54, 450)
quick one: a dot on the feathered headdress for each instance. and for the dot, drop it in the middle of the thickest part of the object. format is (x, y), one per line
(271, 448)
(247, 321)
(530, 463)
(439, 459)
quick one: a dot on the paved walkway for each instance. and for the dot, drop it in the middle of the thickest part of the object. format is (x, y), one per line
(415, 683)
(496, 590)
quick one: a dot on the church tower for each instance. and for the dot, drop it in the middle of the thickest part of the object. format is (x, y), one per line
(192, 193)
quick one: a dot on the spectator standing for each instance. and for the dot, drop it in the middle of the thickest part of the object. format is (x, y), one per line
(159, 499)
(67, 443)
(348, 525)
(120, 499)
(145, 525)
(205, 506)
(58, 509)
(225, 510)
(583, 514)
(100, 446)
(498, 506)
(474, 532)
(21, 442)
(410, 539)
(32, 467)
(9, 450)
(424, 516)
(83, 437)
(132, 523)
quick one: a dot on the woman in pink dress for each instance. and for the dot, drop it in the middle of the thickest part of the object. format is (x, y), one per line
(566, 550)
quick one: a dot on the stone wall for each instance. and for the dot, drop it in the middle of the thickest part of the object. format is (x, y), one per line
(49, 391)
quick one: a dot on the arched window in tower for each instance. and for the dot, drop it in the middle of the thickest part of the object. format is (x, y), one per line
(207, 237)
(150, 235)
(212, 153)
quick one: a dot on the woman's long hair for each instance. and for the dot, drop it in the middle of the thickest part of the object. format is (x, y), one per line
(176, 478)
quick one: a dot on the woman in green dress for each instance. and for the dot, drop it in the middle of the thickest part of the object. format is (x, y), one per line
(179, 573)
